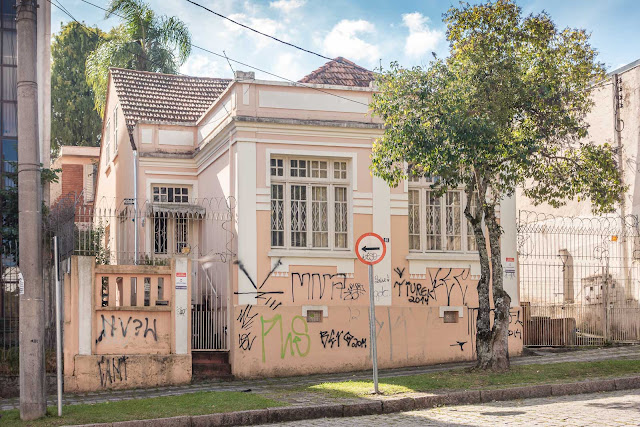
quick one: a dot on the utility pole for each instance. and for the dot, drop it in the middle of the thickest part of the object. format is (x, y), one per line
(32, 309)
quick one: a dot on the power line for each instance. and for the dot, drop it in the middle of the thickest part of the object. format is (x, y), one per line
(257, 31)
(227, 58)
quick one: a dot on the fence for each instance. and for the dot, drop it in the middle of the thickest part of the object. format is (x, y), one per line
(578, 279)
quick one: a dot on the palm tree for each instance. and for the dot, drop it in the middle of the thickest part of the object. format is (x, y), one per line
(144, 41)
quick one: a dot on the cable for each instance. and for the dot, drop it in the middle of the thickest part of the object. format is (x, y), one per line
(259, 32)
(220, 56)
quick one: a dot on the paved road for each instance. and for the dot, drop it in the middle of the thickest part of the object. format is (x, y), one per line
(268, 384)
(619, 408)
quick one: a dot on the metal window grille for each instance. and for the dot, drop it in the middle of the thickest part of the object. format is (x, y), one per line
(341, 218)
(314, 316)
(182, 234)
(277, 215)
(434, 223)
(414, 219)
(319, 217)
(451, 316)
(160, 233)
(298, 215)
(453, 212)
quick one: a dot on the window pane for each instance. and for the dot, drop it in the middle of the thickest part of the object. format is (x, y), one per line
(8, 13)
(319, 217)
(341, 219)
(318, 169)
(9, 84)
(453, 221)
(277, 215)
(414, 219)
(9, 155)
(340, 170)
(298, 216)
(299, 168)
(9, 119)
(277, 167)
(9, 48)
(433, 223)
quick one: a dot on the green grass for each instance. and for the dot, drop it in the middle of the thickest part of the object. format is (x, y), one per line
(462, 379)
(158, 407)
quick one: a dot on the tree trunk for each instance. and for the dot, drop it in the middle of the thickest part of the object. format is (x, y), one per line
(499, 348)
(483, 322)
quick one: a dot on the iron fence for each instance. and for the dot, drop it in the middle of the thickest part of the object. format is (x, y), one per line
(579, 279)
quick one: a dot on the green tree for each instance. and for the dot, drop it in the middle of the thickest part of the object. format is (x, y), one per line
(144, 41)
(505, 110)
(73, 118)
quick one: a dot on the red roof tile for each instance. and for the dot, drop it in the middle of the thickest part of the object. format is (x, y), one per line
(164, 97)
(341, 72)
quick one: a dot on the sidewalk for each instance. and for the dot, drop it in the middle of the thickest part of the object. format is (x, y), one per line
(269, 385)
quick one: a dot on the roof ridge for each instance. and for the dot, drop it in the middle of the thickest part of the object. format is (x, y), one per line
(156, 73)
(340, 71)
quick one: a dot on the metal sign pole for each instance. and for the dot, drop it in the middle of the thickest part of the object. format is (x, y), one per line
(56, 263)
(372, 324)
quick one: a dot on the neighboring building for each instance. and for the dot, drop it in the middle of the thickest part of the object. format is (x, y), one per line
(76, 180)
(266, 187)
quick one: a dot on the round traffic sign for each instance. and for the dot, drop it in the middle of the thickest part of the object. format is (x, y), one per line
(370, 248)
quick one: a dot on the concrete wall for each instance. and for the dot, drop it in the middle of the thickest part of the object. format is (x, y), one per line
(116, 338)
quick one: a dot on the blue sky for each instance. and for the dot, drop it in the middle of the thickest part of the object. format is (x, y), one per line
(365, 31)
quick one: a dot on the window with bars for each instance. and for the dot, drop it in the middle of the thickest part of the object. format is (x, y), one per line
(166, 194)
(309, 203)
(437, 223)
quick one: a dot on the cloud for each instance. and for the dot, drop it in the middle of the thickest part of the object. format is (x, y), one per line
(287, 6)
(289, 65)
(264, 25)
(421, 38)
(204, 66)
(344, 39)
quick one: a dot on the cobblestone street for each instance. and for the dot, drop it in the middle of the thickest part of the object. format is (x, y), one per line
(621, 408)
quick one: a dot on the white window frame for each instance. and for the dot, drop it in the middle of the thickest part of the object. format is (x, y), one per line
(167, 187)
(423, 186)
(330, 182)
(172, 241)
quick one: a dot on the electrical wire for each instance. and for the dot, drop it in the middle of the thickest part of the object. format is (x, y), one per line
(215, 54)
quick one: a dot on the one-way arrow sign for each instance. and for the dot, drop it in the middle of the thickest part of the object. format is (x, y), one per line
(370, 248)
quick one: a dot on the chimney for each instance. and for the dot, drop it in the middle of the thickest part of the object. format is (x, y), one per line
(244, 75)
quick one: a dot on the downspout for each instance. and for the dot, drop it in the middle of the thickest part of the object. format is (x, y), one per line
(135, 206)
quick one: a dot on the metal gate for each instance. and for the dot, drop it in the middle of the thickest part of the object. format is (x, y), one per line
(211, 272)
(579, 279)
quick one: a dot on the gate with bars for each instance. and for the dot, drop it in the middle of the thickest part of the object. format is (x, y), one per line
(579, 279)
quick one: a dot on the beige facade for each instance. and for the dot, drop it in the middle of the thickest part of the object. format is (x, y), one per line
(291, 164)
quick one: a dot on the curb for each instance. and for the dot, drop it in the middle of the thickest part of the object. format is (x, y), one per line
(382, 406)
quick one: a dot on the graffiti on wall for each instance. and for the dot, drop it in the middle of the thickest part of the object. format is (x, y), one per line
(515, 324)
(245, 337)
(294, 340)
(424, 291)
(333, 338)
(110, 326)
(333, 286)
(262, 296)
(112, 369)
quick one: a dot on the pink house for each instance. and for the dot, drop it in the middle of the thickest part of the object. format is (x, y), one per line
(265, 187)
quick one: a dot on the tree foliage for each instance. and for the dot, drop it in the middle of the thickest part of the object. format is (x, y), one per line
(505, 110)
(144, 41)
(73, 119)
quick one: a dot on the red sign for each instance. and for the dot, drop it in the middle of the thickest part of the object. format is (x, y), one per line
(370, 248)
(181, 274)
(510, 259)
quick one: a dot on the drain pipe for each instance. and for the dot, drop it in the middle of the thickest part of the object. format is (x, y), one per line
(135, 206)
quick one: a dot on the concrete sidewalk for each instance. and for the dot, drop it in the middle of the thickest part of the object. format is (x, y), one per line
(268, 385)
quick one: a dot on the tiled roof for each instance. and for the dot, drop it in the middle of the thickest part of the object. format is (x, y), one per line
(342, 72)
(164, 97)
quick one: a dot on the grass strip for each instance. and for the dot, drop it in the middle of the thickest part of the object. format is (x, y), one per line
(199, 403)
(465, 379)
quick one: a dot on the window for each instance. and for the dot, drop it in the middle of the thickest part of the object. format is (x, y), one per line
(182, 233)
(160, 233)
(437, 223)
(107, 143)
(163, 194)
(309, 203)
(88, 183)
(115, 130)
